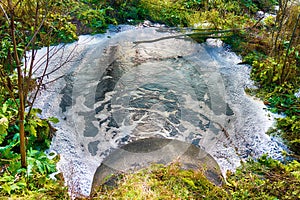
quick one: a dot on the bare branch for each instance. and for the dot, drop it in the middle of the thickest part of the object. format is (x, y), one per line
(37, 30)
(33, 54)
(203, 34)
(283, 74)
(34, 35)
(20, 87)
(54, 80)
(65, 60)
(41, 61)
(3, 10)
(40, 82)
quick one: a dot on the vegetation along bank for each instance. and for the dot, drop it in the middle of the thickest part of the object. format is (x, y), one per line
(270, 45)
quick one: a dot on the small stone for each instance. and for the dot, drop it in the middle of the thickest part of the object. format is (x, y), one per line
(260, 14)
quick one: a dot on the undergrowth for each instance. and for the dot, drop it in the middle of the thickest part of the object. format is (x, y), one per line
(265, 179)
(33, 182)
(271, 46)
(160, 182)
(262, 179)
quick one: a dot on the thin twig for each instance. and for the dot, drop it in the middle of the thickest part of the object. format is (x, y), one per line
(6, 16)
(40, 83)
(66, 60)
(54, 80)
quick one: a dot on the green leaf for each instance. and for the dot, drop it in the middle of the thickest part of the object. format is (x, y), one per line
(32, 130)
(53, 120)
(6, 188)
(21, 183)
(14, 187)
(189, 182)
(3, 128)
(40, 166)
(4, 107)
(6, 178)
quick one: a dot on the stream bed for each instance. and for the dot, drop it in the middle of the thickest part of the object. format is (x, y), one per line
(130, 84)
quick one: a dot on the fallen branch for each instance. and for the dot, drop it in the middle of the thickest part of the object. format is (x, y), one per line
(203, 34)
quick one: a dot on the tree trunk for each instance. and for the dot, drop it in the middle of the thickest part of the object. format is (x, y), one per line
(283, 73)
(18, 63)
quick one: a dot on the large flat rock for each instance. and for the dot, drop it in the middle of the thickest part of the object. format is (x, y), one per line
(142, 153)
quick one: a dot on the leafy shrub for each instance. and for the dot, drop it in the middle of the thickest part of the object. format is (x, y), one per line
(94, 19)
(265, 179)
(8, 112)
(62, 30)
(126, 11)
(267, 72)
(290, 127)
(33, 182)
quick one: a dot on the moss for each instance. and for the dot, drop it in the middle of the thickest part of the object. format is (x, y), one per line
(160, 182)
(262, 179)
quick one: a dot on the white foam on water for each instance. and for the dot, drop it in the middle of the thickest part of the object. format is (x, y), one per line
(247, 127)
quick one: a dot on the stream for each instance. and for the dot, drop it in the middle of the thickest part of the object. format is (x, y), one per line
(120, 87)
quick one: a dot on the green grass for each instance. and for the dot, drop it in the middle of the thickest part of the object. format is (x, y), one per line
(160, 182)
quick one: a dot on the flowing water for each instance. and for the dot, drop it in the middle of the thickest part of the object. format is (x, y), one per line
(128, 84)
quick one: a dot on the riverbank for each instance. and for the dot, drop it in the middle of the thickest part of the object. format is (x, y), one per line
(269, 45)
